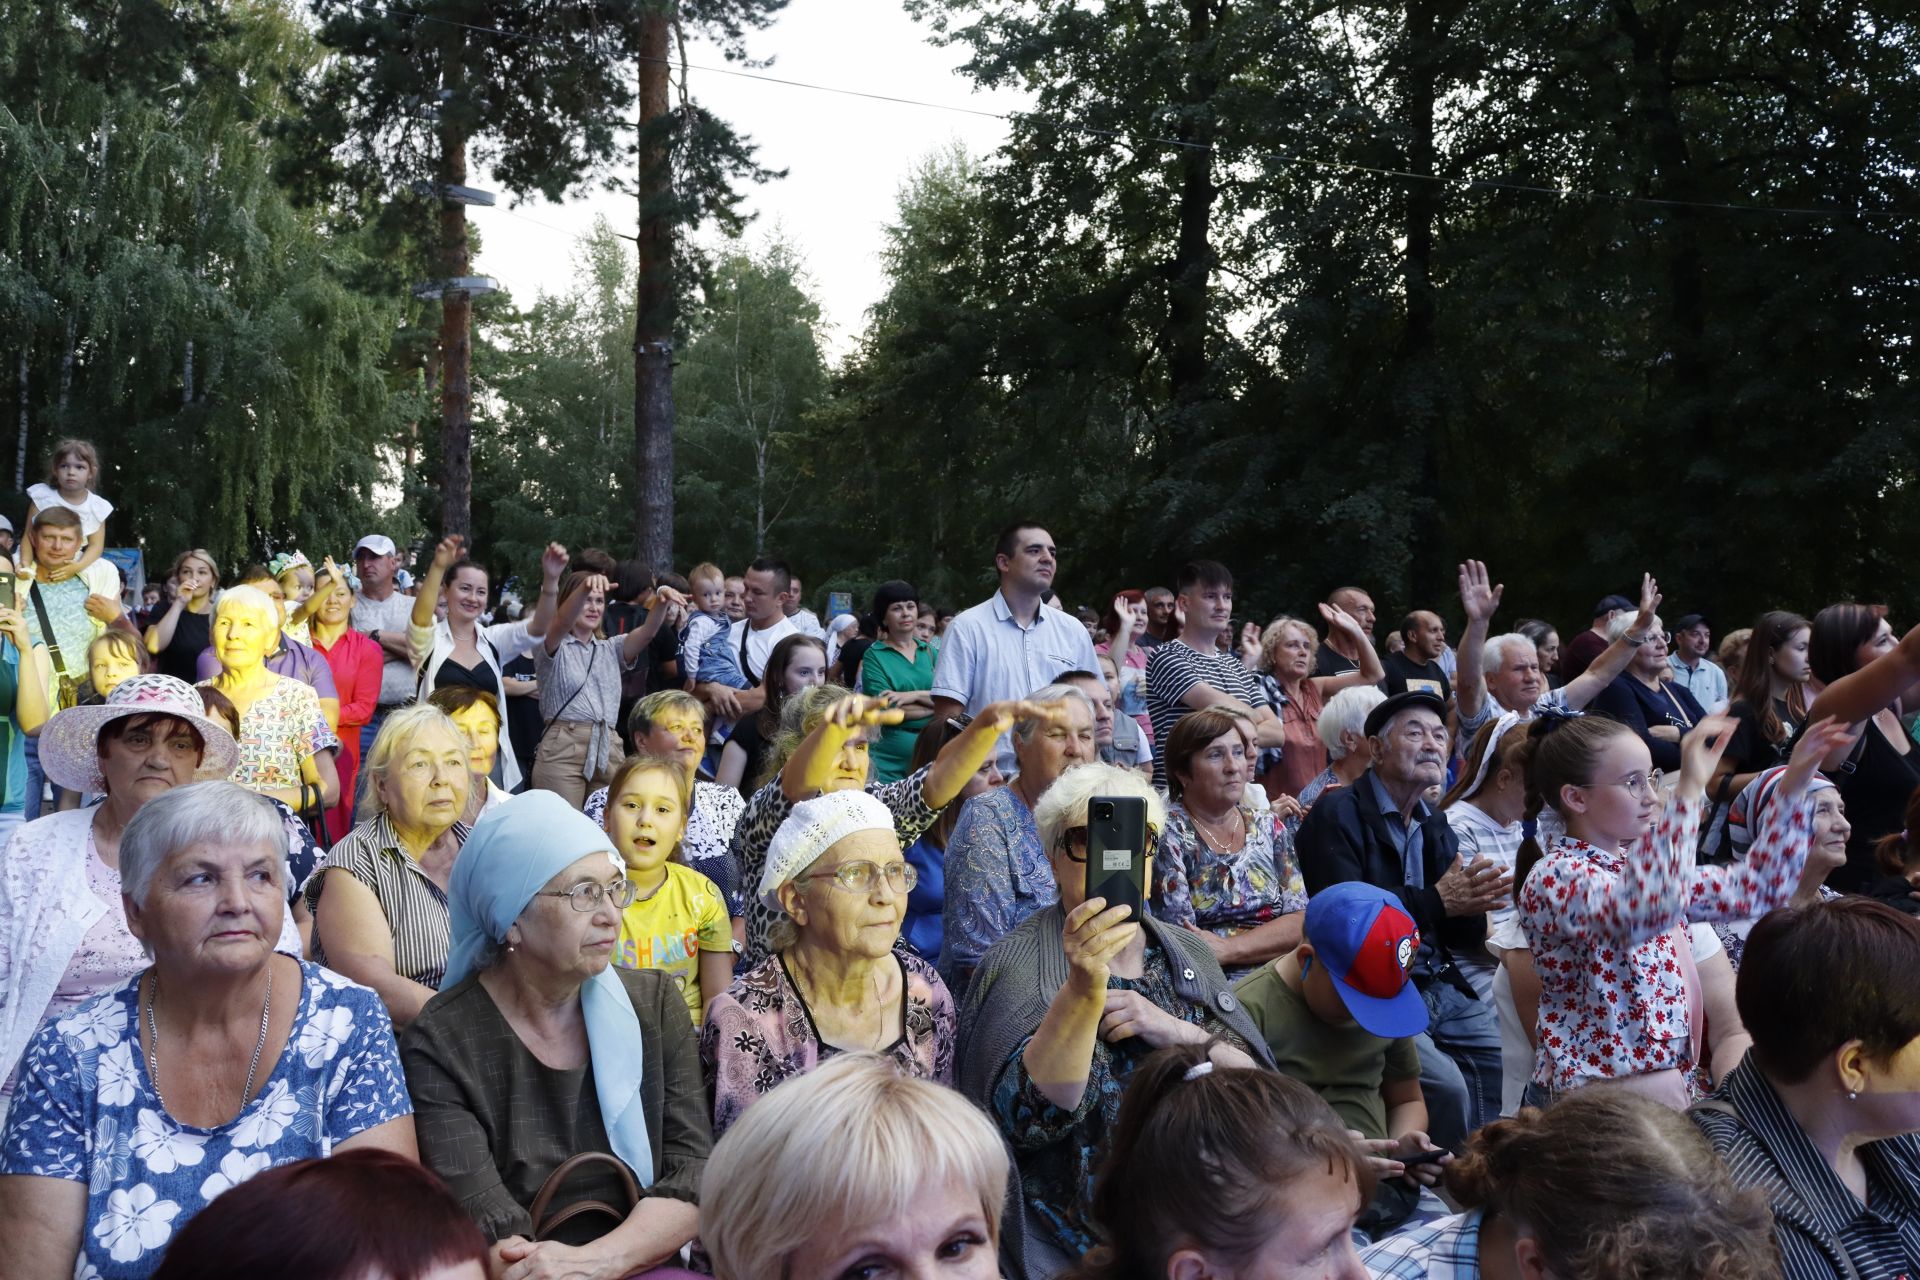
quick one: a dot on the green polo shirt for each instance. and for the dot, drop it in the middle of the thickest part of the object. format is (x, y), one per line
(886, 670)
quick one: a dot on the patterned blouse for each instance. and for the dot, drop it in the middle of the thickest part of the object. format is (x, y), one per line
(86, 1112)
(1613, 1001)
(277, 733)
(706, 845)
(416, 907)
(760, 1032)
(1226, 893)
(1060, 1151)
(769, 808)
(997, 876)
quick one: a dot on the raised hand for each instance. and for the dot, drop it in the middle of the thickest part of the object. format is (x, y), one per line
(1701, 749)
(553, 561)
(332, 570)
(1477, 594)
(1339, 619)
(1649, 605)
(1123, 617)
(857, 712)
(1249, 642)
(448, 552)
(998, 717)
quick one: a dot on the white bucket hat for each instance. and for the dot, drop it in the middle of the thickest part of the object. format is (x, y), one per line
(813, 827)
(69, 745)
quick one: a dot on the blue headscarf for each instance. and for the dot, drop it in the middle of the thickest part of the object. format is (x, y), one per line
(513, 851)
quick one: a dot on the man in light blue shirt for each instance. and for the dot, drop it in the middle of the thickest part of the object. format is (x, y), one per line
(1009, 645)
(1697, 673)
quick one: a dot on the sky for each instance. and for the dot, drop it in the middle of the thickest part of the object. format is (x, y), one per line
(846, 157)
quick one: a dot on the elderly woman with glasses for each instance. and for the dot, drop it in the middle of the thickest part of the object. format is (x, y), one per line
(834, 981)
(536, 1051)
(222, 1059)
(1065, 1008)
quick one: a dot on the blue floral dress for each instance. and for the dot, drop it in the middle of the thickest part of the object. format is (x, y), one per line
(86, 1111)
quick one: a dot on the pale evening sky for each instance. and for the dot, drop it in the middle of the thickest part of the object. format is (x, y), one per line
(846, 157)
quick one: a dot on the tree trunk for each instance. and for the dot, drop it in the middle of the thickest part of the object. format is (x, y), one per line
(1422, 400)
(20, 455)
(456, 318)
(66, 360)
(1190, 272)
(654, 314)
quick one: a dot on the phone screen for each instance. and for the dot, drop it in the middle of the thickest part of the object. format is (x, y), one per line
(8, 599)
(1117, 850)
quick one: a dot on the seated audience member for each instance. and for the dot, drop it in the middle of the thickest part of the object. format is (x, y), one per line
(1116, 738)
(1283, 1183)
(672, 723)
(797, 663)
(1898, 857)
(477, 716)
(1343, 734)
(1759, 804)
(1340, 1015)
(1417, 665)
(1007, 646)
(1225, 866)
(1732, 653)
(1382, 831)
(1603, 1185)
(925, 923)
(1504, 673)
(1580, 651)
(1191, 671)
(1299, 698)
(997, 872)
(538, 1050)
(1485, 808)
(357, 1215)
(1611, 882)
(1064, 1009)
(1692, 669)
(677, 922)
(834, 982)
(1546, 643)
(286, 746)
(138, 1108)
(1344, 652)
(1867, 678)
(856, 1169)
(1820, 1117)
(899, 667)
(823, 743)
(1648, 700)
(379, 899)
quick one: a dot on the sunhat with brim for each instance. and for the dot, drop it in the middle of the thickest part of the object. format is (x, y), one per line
(69, 745)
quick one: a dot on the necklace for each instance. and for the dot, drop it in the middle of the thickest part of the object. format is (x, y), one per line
(875, 1039)
(1218, 845)
(153, 1041)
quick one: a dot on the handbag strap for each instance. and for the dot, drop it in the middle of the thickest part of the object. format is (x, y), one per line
(46, 630)
(543, 1199)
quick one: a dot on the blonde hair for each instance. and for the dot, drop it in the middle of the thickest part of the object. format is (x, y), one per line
(799, 716)
(396, 735)
(707, 571)
(850, 1143)
(1270, 640)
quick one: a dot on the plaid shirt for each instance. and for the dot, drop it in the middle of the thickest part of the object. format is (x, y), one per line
(1448, 1249)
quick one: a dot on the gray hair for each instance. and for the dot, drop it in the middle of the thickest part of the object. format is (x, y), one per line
(396, 735)
(1064, 806)
(1023, 730)
(1494, 656)
(1346, 712)
(1623, 623)
(199, 813)
(245, 599)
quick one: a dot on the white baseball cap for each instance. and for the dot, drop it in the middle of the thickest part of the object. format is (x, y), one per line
(6, 524)
(378, 544)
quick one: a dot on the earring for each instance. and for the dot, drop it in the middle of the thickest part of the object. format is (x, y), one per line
(1852, 1096)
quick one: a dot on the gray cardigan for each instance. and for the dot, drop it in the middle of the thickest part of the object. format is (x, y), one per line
(1011, 991)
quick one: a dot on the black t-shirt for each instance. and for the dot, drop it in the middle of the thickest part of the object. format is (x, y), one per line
(851, 654)
(1404, 673)
(523, 714)
(747, 736)
(1749, 750)
(191, 636)
(1329, 663)
(1876, 781)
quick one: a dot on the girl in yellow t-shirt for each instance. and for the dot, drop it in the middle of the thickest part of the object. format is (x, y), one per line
(678, 920)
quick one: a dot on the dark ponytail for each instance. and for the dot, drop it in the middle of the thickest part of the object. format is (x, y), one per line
(1237, 1138)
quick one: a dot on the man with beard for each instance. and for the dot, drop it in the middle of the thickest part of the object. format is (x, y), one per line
(1009, 645)
(1384, 830)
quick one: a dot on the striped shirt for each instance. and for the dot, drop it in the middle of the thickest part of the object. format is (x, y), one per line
(1823, 1231)
(580, 681)
(1176, 667)
(415, 907)
(1448, 1249)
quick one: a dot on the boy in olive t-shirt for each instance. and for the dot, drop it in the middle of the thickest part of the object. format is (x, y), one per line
(1340, 1014)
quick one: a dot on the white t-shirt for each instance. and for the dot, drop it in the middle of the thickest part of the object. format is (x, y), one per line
(759, 645)
(1516, 1055)
(93, 512)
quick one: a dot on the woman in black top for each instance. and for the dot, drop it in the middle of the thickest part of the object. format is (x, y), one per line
(180, 635)
(1658, 709)
(797, 662)
(1866, 673)
(1769, 702)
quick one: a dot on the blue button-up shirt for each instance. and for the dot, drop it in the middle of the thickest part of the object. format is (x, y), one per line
(1706, 682)
(990, 656)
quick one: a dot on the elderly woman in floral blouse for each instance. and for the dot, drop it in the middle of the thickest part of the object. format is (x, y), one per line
(1226, 867)
(834, 982)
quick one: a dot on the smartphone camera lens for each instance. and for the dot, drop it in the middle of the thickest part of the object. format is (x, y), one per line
(1103, 811)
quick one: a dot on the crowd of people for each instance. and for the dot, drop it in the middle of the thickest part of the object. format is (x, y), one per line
(357, 924)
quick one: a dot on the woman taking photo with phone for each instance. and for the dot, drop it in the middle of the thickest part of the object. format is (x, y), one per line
(1065, 1008)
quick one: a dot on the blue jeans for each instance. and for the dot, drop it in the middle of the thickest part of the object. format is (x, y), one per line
(1459, 1063)
(32, 805)
(368, 732)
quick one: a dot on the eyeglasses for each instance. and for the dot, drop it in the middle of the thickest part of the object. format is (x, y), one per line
(588, 895)
(1073, 842)
(858, 876)
(1639, 785)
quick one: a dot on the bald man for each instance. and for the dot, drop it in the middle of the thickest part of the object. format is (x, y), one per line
(1417, 666)
(1333, 659)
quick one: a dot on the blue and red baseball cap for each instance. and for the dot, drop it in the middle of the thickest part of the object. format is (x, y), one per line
(1367, 941)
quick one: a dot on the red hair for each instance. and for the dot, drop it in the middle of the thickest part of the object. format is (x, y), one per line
(1111, 620)
(360, 1213)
